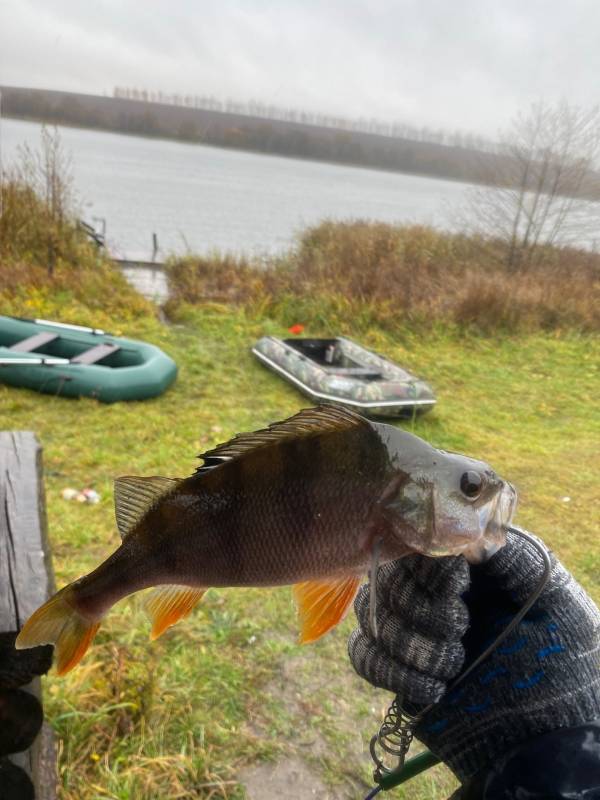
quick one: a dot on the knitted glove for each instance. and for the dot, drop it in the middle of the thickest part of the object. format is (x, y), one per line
(421, 619)
(546, 675)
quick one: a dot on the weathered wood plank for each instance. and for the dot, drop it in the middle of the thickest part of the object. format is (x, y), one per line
(26, 576)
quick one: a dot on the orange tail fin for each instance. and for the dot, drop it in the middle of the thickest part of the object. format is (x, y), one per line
(57, 622)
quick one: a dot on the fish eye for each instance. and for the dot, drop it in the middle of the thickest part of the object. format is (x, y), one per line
(471, 484)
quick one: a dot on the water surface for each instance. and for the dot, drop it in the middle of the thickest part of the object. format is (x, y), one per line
(203, 198)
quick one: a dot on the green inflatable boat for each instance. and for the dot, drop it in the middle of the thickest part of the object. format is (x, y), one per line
(73, 361)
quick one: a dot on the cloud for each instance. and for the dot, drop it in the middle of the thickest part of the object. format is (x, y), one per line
(469, 65)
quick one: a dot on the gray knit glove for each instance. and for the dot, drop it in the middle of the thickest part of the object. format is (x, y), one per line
(546, 675)
(421, 619)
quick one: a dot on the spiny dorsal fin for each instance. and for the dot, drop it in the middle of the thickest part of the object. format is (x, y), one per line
(307, 422)
(134, 496)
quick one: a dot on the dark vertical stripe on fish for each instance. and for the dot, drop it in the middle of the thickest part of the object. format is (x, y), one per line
(236, 530)
(300, 505)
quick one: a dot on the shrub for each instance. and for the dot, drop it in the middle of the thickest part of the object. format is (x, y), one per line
(395, 275)
(48, 267)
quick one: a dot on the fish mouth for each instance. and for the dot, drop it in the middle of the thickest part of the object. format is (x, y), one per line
(494, 519)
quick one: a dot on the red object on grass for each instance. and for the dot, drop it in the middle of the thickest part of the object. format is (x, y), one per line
(297, 328)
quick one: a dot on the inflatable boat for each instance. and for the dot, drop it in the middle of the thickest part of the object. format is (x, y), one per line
(74, 361)
(340, 371)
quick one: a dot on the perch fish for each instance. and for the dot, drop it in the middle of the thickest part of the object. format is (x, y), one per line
(304, 502)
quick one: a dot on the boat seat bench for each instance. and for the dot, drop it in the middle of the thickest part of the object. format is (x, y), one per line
(358, 372)
(33, 342)
(95, 354)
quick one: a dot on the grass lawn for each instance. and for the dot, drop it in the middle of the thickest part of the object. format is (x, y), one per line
(228, 687)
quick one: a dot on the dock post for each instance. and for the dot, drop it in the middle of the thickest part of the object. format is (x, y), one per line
(27, 752)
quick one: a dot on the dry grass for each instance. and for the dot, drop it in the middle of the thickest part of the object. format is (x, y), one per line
(84, 285)
(90, 292)
(395, 275)
(48, 267)
(219, 278)
(28, 230)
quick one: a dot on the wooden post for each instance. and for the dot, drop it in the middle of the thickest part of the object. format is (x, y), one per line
(26, 581)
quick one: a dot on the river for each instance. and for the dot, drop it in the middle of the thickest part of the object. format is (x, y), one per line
(201, 199)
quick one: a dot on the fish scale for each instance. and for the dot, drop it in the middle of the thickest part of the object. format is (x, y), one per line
(307, 501)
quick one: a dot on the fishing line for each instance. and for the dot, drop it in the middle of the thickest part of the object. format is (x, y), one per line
(373, 586)
(396, 732)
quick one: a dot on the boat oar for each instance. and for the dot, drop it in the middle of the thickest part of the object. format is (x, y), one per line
(22, 361)
(64, 325)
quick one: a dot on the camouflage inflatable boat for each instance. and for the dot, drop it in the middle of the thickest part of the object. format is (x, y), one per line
(342, 372)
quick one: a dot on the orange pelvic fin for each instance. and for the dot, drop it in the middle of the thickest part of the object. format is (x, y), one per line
(166, 605)
(57, 622)
(322, 604)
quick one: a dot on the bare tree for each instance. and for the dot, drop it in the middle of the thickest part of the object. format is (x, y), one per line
(47, 172)
(542, 186)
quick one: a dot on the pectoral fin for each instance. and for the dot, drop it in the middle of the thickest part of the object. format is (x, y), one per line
(166, 605)
(322, 604)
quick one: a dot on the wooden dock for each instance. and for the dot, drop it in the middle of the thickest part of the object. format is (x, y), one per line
(148, 277)
(27, 752)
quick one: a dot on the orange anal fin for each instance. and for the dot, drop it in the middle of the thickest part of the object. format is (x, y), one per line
(69, 656)
(323, 604)
(166, 605)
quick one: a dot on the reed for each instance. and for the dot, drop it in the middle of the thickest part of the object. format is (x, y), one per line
(402, 274)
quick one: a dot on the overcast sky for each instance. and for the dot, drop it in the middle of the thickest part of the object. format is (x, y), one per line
(455, 64)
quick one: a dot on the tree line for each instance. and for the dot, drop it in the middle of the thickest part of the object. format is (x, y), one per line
(245, 131)
(255, 108)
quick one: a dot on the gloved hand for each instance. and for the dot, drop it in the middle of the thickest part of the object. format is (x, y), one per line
(421, 619)
(546, 675)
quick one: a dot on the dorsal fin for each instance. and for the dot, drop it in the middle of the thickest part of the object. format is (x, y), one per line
(134, 496)
(307, 422)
